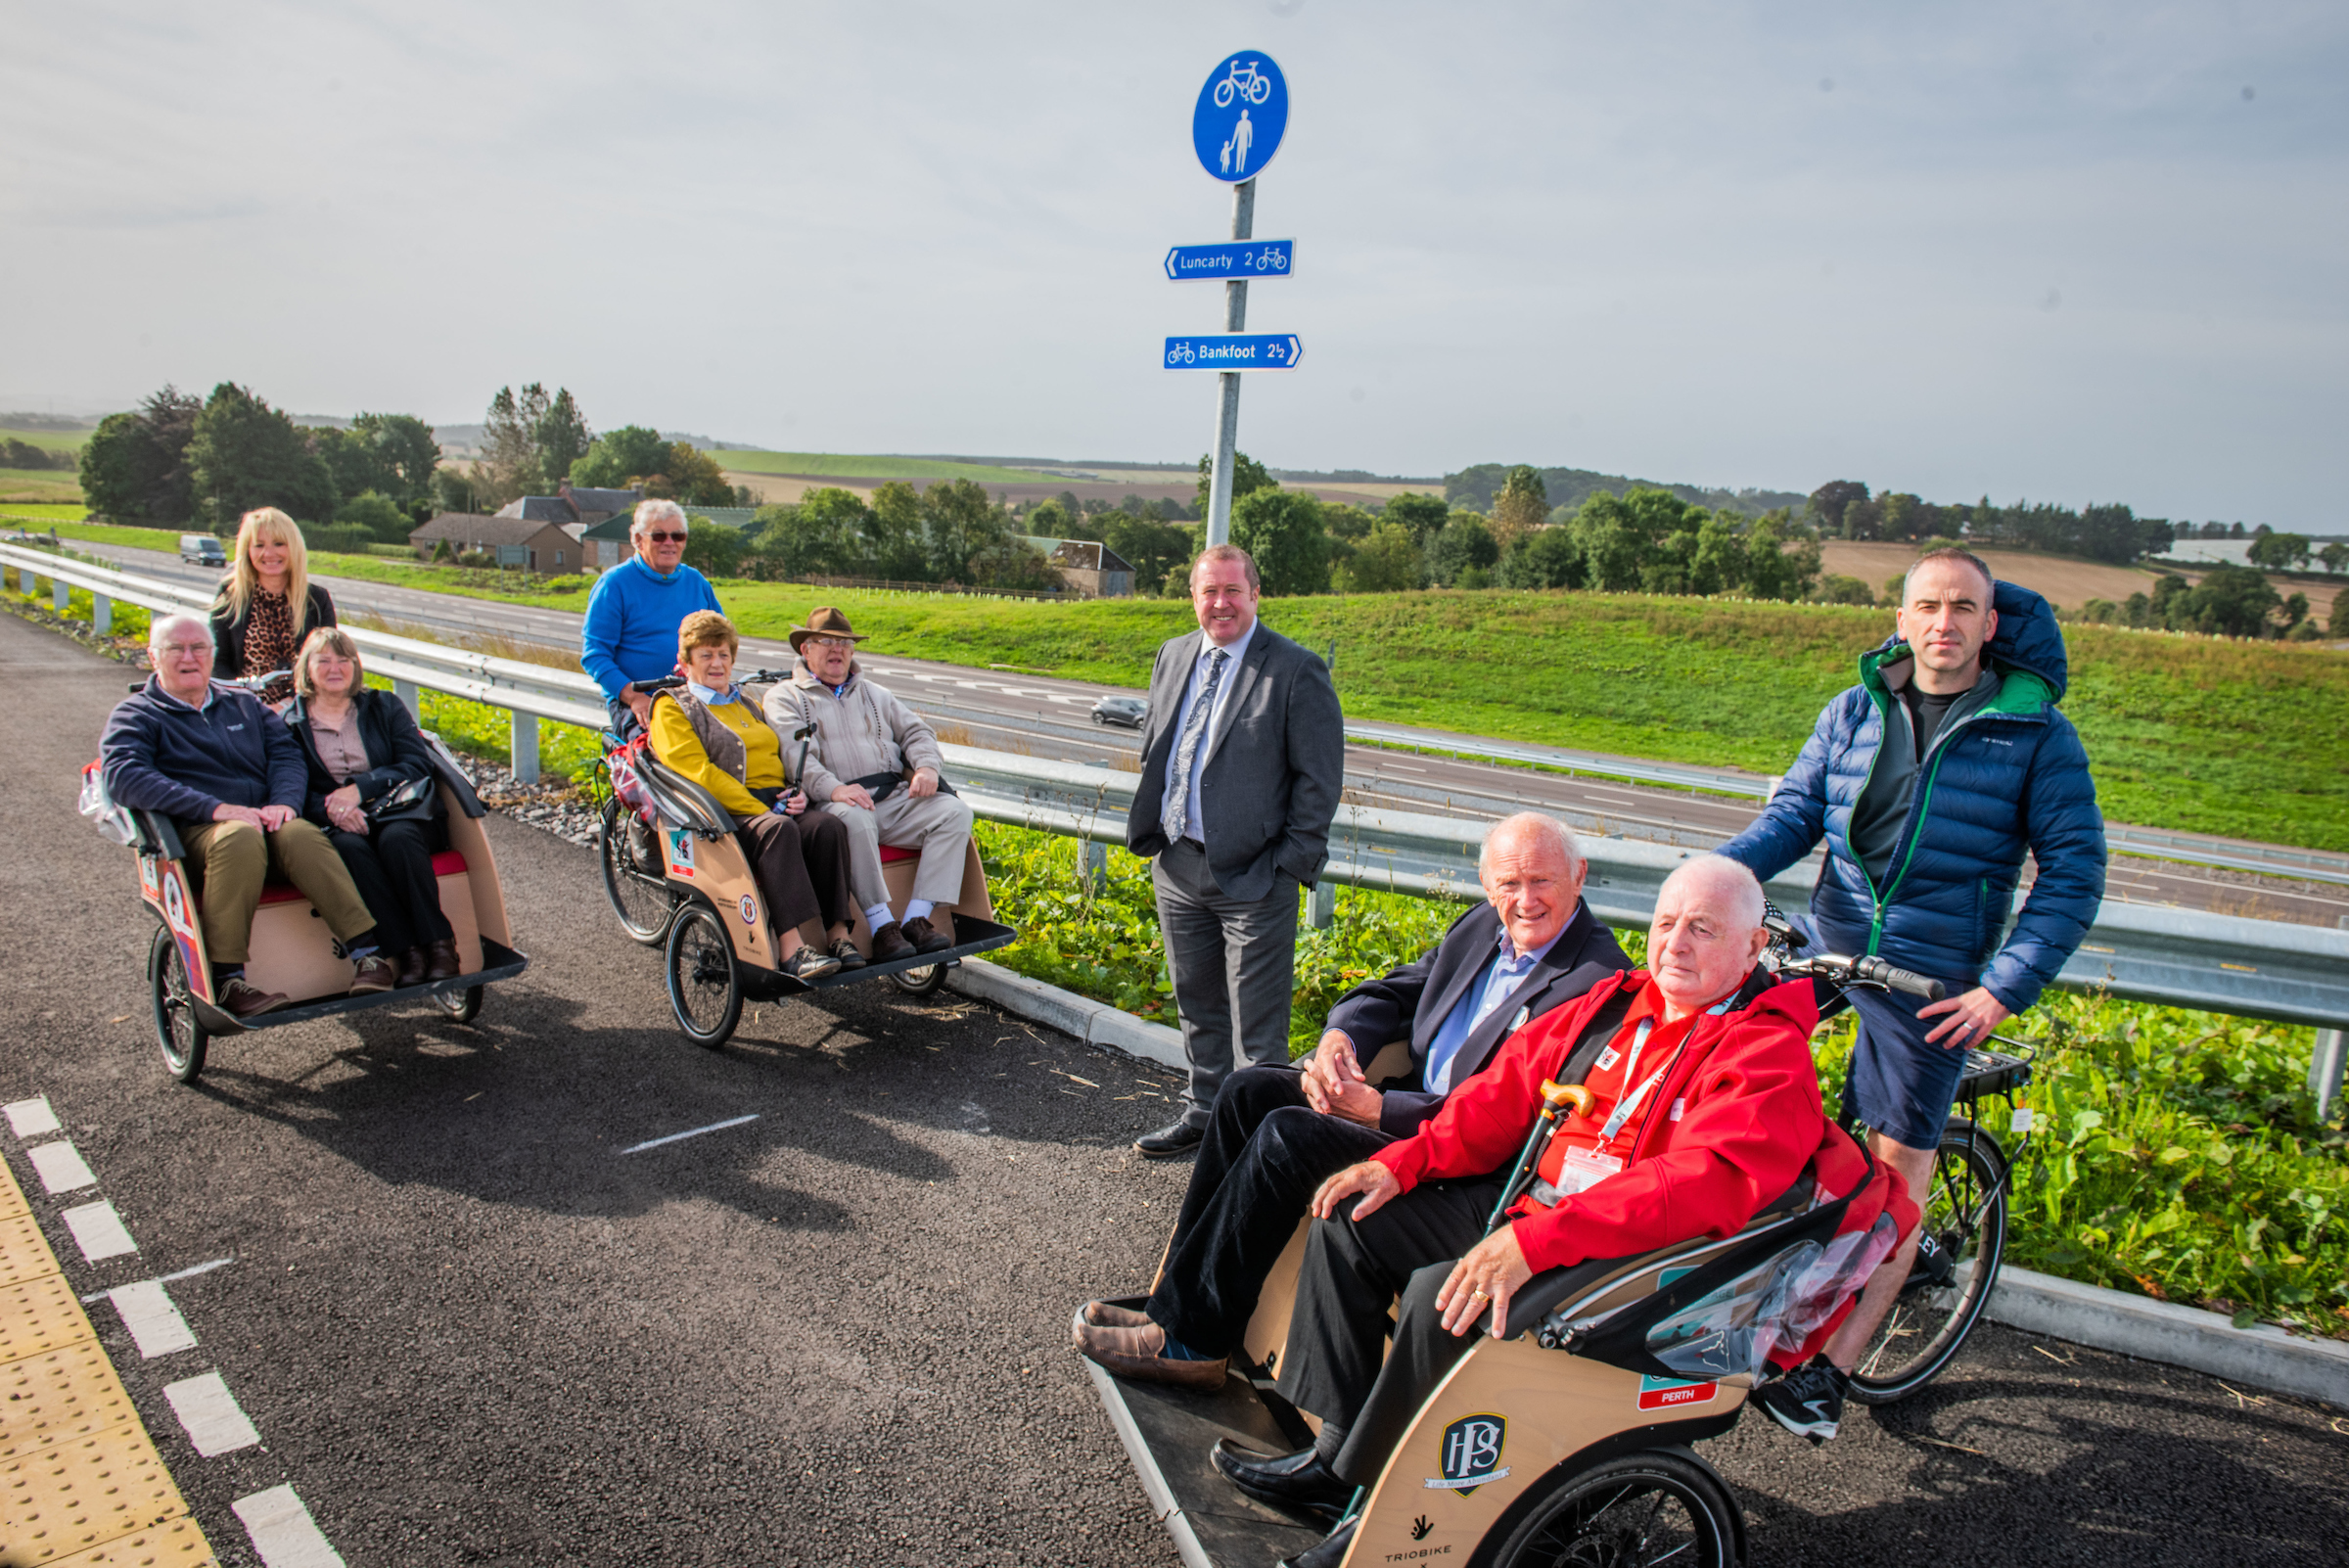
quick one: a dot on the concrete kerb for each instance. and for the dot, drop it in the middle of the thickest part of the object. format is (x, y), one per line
(2260, 1357)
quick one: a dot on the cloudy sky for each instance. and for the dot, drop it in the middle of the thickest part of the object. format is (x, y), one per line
(2072, 252)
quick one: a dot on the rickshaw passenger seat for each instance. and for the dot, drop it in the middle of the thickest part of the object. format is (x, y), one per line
(448, 863)
(890, 854)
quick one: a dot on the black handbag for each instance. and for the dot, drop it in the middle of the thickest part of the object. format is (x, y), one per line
(416, 800)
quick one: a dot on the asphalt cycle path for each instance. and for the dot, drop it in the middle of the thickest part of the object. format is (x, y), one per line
(471, 1326)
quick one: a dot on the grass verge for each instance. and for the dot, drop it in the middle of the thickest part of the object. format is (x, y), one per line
(2180, 1158)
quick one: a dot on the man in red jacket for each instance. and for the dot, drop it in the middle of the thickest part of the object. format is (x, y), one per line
(1707, 1107)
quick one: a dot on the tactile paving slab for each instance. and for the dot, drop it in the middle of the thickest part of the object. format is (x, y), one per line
(24, 1251)
(176, 1543)
(66, 1394)
(68, 1497)
(39, 1316)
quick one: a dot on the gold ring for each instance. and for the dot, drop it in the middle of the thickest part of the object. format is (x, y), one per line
(1478, 1295)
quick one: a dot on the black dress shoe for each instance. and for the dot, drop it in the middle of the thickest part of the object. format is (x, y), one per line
(890, 944)
(1176, 1137)
(924, 937)
(1330, 1552)
(1297, 1479)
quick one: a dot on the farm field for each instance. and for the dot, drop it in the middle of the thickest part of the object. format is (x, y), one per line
(2060, 579)
(49, 486)
(826, 465)
(52, 441)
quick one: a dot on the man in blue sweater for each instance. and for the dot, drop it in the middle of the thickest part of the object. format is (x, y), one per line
(231, 777)
(1929, 781)
(630, 633)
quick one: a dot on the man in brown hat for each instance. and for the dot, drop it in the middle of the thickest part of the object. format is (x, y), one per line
(876, 766)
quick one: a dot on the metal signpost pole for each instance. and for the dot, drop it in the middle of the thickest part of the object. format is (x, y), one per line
(1227, 401)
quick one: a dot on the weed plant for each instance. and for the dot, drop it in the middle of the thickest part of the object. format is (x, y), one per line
(2179, 1155)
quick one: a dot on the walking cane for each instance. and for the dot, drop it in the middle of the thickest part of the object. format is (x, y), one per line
(1556, 1099)
(799, 775)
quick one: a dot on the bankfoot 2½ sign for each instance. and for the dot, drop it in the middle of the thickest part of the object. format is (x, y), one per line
(1234, 351)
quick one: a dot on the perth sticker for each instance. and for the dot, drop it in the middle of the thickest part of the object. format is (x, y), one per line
(1670, 1393)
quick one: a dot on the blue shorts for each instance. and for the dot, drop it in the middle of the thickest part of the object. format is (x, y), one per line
(1900, 1085)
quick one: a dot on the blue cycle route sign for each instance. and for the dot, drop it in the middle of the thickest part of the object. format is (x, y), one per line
(1231, 258)
(1242, 113)
(1234, 351)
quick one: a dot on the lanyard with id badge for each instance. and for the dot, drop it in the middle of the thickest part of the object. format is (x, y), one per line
(1579, 1168)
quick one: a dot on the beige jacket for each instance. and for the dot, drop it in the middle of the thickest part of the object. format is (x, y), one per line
(865, 732)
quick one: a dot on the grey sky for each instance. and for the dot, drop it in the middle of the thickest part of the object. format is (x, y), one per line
(2014, 249)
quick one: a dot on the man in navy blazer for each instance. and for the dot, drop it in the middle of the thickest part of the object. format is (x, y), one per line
(1243, 758)
(1277, 1131)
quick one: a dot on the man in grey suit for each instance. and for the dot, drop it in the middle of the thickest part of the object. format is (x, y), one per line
(1243, 756)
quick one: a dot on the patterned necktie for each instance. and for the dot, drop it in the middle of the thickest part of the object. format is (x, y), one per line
(1177, 815)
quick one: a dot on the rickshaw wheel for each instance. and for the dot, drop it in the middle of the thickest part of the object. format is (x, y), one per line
(1630, 1513)
(705, 988)
(1965, 1214)
(639, 893)
(462, 1006)
(922, 982)
(176, 1031)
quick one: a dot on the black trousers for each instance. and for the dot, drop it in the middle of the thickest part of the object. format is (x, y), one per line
(1353, 1269)
(802, 865)
(1267, 1151)
(391, 866)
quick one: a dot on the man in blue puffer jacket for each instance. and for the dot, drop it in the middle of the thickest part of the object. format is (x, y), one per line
(1929, 780)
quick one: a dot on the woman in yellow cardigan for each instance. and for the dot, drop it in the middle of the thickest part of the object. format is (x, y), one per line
(713, 733)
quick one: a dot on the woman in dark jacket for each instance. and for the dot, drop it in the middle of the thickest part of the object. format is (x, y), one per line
(362, 747)
(268, 607)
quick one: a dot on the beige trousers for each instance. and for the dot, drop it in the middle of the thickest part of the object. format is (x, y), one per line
(231, 861)
(940, 827)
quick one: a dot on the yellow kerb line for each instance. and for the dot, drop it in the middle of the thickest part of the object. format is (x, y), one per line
(80, 1482)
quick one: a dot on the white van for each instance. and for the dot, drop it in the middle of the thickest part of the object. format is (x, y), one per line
(202, 549)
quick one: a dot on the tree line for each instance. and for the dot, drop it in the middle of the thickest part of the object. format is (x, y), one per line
(15, 453)
(2230, 601)
(954, 532)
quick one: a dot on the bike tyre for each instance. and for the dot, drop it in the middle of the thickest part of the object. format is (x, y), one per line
(1566, 1523)
(925, 980)
(461, 1006)
(183, 1039)
(1970, 1170)
(655, 907)
(707, 1006)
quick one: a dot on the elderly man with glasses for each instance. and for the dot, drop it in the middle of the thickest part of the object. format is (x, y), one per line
(630, 632)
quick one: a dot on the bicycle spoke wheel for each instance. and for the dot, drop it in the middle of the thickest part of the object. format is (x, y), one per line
(635, 878)
(183, 1039)
(1964, 1229)
(705, 988)
(1644, 1509)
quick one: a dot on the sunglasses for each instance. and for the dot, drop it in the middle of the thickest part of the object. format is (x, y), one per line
(652, 538)
(832, 642)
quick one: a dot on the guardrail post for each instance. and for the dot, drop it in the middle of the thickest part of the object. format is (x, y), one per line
(61, 594)
(2325, 1070)
(102, 615)
(1321, 906)
(525, 746)
(1093, 865)
(405, 691)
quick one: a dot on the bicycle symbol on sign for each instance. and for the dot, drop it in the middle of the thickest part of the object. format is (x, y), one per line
(1266, 260)
(1243, 81)
(1181, 353)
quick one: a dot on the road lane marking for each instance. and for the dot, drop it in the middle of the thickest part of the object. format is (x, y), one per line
(184, 1273)
(215, 1422)
(61, 1166)
(283, 1531)
(155, 1324)
(29, 1119)
(715, 1127)
(99, 1231)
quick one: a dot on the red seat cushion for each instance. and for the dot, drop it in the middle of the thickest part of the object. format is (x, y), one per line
(890, 854)
(448, 863)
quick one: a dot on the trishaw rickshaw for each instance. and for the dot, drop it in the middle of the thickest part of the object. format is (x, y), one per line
(678, 879)
(292, 951)
(1568, 1440)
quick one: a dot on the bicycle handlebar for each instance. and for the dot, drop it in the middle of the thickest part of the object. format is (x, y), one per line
(1899, 979)
(742, 677)
(1866, 970)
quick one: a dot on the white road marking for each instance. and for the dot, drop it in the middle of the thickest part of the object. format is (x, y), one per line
(61, 1166)
(209, 1412)
(715, 1127)
(283, 1531)
(155, 1324)
(184, 1273)
(99, 1231)
(29, 1119)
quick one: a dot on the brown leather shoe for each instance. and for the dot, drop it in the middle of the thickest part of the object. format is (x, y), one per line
(411, 968)
(924, 937)
(890, 943)
(440, 960)
(1136, 1353)
(375, 973)
(239, 998)
(1101, 1315)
